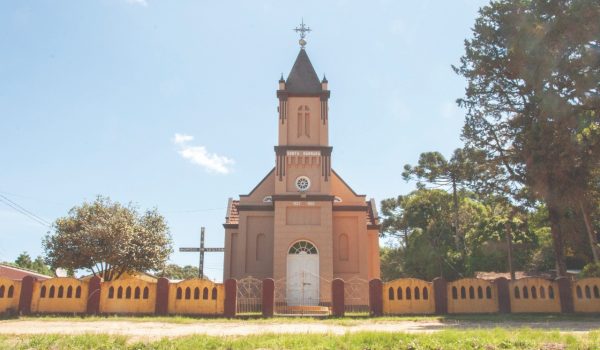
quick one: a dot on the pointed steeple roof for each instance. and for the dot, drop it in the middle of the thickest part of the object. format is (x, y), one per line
(303, 79)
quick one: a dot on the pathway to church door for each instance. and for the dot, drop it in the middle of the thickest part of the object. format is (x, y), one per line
(302, 286)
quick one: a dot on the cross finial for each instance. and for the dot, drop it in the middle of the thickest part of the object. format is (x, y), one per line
(302, 29)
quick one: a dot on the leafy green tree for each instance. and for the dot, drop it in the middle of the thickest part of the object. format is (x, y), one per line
(176, 272)
(392, 263)
(532, 102)
(37, 265)
(453, 174)
(109, 239)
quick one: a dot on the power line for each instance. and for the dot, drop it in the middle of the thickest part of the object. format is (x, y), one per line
(24, 211)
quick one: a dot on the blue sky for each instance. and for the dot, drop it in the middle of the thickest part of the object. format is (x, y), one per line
(93, 94)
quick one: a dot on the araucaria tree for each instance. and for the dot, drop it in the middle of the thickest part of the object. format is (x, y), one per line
(533, 100)
(108, 239)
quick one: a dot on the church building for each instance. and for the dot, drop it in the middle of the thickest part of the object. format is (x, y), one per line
(302, 224)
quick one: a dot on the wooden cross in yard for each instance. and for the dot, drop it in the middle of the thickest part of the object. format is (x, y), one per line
(201, 250)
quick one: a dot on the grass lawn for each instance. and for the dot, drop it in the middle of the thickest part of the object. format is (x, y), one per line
(346, 321)
(448, 339)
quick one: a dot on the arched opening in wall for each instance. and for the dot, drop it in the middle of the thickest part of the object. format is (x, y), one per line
(260, 246)
(533, 292)
(525, 293)
(2, 291)
(399, 293)
(417, 294)
(425, 293)
(43, 292)
(550, 292)
(588, 292)
(302, 280)
(391, 293)
(69, 292)
(196, 293)
(471, 292)
(479, 292)
(120, 293)
(61, 291)
(188, 293)
(488, 292)
(128, 293)
(596, 292)
(179, 293)
(11, 291)
(343, 247)
(146, 292)
(137, 293)
(213, 294)
(517, 293)
(111, 292)
(205, 293)
(408, 293)
(78, 292)
(454, 293)
(542, 292)
(463, 293)
(51, 293)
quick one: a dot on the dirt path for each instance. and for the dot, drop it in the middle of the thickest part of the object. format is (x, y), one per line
(156, 330)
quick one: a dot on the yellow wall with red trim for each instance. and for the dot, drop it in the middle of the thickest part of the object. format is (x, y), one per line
(191, 298)
(12, 302)
(52, 296)
(125, 302)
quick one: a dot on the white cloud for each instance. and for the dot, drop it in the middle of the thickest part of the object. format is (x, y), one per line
(138, 2)
(201, 156)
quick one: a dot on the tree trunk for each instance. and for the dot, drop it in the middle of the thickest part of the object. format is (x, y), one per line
(509, 247)
(554, 215)
(456, 230)
(590, 232)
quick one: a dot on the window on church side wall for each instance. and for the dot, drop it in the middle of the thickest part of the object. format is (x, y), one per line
(260, 246)
(303, 247)
(343, 247)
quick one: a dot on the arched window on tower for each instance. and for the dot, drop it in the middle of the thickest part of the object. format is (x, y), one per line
(303, 121)
(343, 247)
(260, 246)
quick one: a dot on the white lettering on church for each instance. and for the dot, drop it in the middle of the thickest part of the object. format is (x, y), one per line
(310, 203)
(304, 153)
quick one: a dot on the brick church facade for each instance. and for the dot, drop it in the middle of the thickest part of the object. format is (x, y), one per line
(302, 224)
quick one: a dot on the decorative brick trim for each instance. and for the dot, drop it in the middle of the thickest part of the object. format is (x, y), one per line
(350, 208)
(376, 297)
(250, 207)
(337, 298)
(503, 290)
(231, 225)
(26, 295)
(440, 293)
(374, 227)
(299, 198)
(268, 297)
(93, 301)
(566, 295)
(162, 296)
(282, 150)
(230, 298)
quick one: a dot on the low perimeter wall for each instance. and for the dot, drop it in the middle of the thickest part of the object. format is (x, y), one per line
(203, 297)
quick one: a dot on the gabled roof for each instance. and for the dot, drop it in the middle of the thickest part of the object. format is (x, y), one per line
(303, 79)
(17, 273)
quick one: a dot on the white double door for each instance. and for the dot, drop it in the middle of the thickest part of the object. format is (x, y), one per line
(302, 279)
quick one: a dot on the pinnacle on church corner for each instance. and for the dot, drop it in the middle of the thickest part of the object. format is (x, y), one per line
(303, 79)
(324, 79)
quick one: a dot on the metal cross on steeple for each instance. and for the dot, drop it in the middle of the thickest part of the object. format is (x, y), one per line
(302, 29)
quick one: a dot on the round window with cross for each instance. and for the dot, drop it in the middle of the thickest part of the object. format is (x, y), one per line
(302, 183)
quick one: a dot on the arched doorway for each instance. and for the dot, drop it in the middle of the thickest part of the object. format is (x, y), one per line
(302, 287)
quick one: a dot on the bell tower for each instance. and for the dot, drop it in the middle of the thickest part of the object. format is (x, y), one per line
(303, 154)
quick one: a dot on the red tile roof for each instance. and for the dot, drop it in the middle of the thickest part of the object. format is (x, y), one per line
(16, 273)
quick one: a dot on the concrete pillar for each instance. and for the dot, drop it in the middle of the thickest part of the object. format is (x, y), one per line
(26, 295)
(230, 298)
(268, 297)
(566, 295)
(93, 298)
(440, 293)
(337, 298)
(162, 296)
(503, 291)
(376, 297)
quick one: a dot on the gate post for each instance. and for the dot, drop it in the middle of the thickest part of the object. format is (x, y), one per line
(268, 297)
(26, 295)
(93, 301)
(230, 298)
(376, 297)
(440, 293)
(337, 297)
(566, 295)
(503, 291)
(162, 296)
